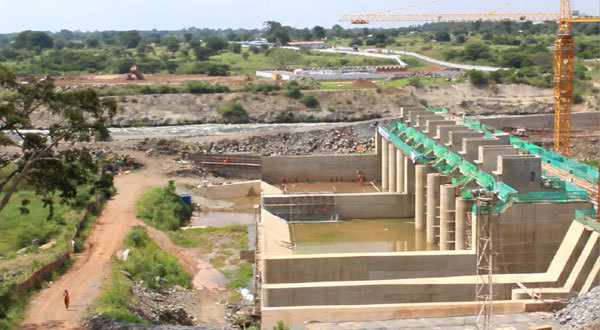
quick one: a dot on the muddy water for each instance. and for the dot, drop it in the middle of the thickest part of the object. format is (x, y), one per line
(356, 236)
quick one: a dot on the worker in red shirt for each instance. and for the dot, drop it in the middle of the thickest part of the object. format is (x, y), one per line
(66, 298)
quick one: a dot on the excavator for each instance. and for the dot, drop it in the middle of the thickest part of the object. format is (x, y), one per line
(134, 73)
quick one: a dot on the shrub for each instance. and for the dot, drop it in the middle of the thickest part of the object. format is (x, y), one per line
(162, 208)
(309, 100)
(293, 92)
(233, 109)
(477, 77)
(424, 102)
(415, 81)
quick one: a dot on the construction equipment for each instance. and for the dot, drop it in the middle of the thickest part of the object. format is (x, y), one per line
(564, 58)
(134, 73)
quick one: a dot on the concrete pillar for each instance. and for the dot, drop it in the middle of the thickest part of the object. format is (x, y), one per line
(409, 176)
(421, 172)
(463, 206)
(447, 200)
(385, 163)
(399, 171)
(392, 167)
(434, 180)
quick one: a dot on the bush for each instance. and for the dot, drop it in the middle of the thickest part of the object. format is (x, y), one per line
(477, 77)
(309, 100)
(293, 92)
(233, 109)
(578, 99)
(196, 87)
(415, 81)
(162, 208)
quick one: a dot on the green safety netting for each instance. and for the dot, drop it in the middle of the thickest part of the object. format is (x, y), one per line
(588, 217)
(444, 110)
(427, 151)
(566, 164)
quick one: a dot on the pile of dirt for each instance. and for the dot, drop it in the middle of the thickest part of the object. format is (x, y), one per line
(581, 311)
(363, 83)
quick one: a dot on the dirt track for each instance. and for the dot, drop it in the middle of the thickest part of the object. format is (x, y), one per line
(92, 267)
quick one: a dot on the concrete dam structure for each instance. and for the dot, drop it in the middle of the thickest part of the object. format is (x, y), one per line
(481, 208)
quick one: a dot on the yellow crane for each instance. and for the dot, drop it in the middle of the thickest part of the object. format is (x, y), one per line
(564, 58)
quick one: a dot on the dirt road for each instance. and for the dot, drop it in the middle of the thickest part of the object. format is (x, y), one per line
(92, 267)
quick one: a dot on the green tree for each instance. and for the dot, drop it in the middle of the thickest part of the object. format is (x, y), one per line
(202, 53)
(32, 39)
(52, 171)
(276, 33)
(235, 47)
(475, 51)
(130, 39)
(92, 41)
(216, 44)
(477, 77)
(442, 36)
(319, 32)
(171, 43)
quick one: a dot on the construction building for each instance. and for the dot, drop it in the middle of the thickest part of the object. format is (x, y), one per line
(493, 229)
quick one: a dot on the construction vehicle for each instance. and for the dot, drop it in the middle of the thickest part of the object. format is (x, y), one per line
(564, 57)
(134, 73)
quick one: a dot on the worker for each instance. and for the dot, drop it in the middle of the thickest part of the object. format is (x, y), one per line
(66, 298)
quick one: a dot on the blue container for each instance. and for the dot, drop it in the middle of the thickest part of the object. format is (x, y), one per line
(186, 198)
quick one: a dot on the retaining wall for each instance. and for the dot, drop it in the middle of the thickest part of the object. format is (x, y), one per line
(321, 168)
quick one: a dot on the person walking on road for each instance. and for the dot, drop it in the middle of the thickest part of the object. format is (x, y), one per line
(66, 298)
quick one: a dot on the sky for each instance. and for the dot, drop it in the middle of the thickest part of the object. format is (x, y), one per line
(92, 15)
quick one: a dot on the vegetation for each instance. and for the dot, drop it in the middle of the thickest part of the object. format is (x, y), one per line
(162, 208)
(193, 87)
(147, 264)
(232, 110)
(49, 172)
(309, 100)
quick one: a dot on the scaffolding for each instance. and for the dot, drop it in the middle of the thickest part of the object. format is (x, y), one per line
(484, 285)
(302, 208)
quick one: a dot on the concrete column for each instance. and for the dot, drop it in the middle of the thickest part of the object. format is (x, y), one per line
(385, 163)
(447, 200)
(421, 172)
(409, 176)
(392, 167)
(399, 171)
(434, 180)
(463, 206)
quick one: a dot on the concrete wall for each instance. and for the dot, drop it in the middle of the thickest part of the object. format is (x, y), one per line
(275, 235)
(268, 189)
(456, 139)
(321, 168)
(488, 156)
(522, 173)
(237, 189)
(531, 234)
(362, 266)
(375, 206)
(579, 120)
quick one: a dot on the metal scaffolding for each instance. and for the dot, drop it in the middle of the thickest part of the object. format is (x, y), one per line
(484, 285)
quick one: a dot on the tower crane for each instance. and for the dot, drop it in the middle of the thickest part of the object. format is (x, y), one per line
(564, 58)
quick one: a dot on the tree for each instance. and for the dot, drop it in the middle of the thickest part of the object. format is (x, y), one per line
(130, 39)
(92, 41)
(442, 36)
(171, 43)
(477, 77)
(187, 37)
(33, 39)
(282, 58)
(235, 47)
(216, 44)
(415, 81)
(319, 32)
(475, 51)
(461, 39)
(202, 53)
(52, 172)
(276, 33)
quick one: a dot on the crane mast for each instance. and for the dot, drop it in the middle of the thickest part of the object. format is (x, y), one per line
(564, 53)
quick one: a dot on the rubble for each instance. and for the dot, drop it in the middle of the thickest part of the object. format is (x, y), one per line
(580, 311)
(98, 321)
(159, 307)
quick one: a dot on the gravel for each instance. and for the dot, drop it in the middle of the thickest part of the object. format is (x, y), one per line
(580, 311)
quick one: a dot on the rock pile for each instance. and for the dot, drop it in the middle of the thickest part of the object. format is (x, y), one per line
(580, 311)
(159, 147)
(159, 307)
(98, 321)
(339, 141)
